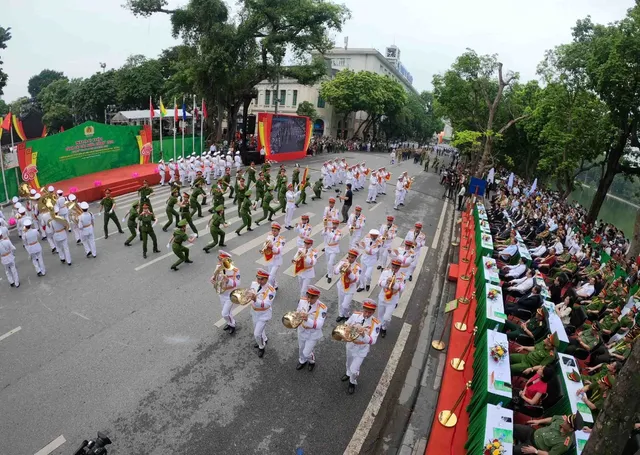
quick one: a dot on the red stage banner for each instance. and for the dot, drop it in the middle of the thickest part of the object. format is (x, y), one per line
(284, 137)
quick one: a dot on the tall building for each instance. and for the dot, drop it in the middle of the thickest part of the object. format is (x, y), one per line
(292, 93)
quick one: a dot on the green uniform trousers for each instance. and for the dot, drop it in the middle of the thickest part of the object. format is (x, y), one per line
(246, 221)
(146, 233)
(187, 216)
(111, 216)
(132, 229)
(171, 214)
(266, 212)
(217, 237)
(182, 252)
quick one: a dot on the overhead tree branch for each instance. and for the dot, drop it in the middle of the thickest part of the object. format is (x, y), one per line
(512, 122)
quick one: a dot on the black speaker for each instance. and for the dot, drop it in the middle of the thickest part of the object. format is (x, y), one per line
(251, 124)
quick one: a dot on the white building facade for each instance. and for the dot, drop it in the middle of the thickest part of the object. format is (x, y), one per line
(292, 93)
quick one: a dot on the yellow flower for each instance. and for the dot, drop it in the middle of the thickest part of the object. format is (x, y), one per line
(488, 447)
(496, 444)
(496, 452)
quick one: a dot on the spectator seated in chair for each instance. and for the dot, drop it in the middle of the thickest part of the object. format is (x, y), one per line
(555, 437)
(594, 394)
(510, 272)
(586, 338)
(533, 389)
(520, 286)
(563, 310)
(569, 268)
(614, 350)
(546, 262)
(594, 374)
(530, 302)
(533, 329)
(507, 252)
(538, 251)
(541, 354)
(585, 290)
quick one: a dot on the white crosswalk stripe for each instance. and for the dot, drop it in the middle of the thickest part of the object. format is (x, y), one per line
(255, 243)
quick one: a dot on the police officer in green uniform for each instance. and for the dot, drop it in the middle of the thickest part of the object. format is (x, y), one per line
(177, 239)
(185, 212)
(282, 200)
(240, 192)
(267, 177)
(218, 196)
(435, 165)
(303, 194)
(555, 438)
(193, 201)
(147, 219)
(266, 205)
(266, 168)
(227, 182)
(260, 185)
(217, 234)
(295, 177)
(535, 327)
(251, 173)
(171, 211)
(540, 354)
(317, 190)
(426, 163)
(108, 205)
(594, 394)
(144, 192)
(199, 180)
(245, 212)
(132, 222)
(237, 185)
(587, 337)
(281, 181)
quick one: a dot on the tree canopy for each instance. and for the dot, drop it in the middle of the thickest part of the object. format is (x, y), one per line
(41, 80)
(307, 109)
(5, 36)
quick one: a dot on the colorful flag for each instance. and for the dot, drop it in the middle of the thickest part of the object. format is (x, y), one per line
(175, 110)
(184, 112)
(62, 129)
(6, 123)
(151, 113)
(195, 113)
(163, 111)
(204, 109)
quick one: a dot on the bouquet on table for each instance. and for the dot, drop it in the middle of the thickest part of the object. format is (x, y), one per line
(498, 352)
(493, 294)
(494, 447)
(490, 264)
(486, 238)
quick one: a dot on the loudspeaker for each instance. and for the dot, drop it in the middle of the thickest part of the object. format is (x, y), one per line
(251, 124)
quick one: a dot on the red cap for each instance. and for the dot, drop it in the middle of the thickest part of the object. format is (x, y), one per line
(335, 221)
(409, 242)
(308, 241)
(369, 304)
(332, 199)
(312, 290)
(397, 262)
(276, 225)
(390, 218)
(419, 225)
(262, 273)
(358, 208)
(290, 185)
(354, 252)
(305, 217)
(223, 254)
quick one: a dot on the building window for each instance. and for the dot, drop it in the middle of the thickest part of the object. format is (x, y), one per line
(283, 97)
(320, 102)
(294, 102)
(267, 97)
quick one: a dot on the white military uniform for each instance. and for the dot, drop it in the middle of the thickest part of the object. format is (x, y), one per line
(206, 163)
(237, 161)
(44, 218)
(384, 253)
(330, 213)
(419, 240)
(275, 261)
(162, 172)
(347, 284)
(308, 272)
(34, 249)
(230, 281)
(291, 206)
(324, 172)
(63, 211)
(261, 311)
(373, 188)
(399, 193)
(388, 297)
(8, 260)
(61, 240)
(332, 247)
(357, 222)
(172, 171)
(304, 231)
(182, 168)
(310, 331)
(85, 224)
(368, 259)
(407, 257)
(357, 350)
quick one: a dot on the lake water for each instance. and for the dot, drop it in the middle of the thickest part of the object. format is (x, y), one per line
(620, 213)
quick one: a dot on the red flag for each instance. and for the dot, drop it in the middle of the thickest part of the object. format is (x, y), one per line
(195, 112)
(6, 123)
(175, 111)
(204, 109)
(62, 129)
(151, 110)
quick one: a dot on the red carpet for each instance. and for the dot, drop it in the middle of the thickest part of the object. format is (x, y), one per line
(451, 441)
(121, 181)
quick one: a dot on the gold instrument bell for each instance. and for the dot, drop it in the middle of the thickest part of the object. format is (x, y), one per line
(241, 296)
(292, 319)
(344, 332)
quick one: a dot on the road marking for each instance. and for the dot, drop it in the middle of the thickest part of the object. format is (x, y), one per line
(53, 445)
(375, 276)
(369, 416)
(436, 236)
(291, 244)
(410, 286)
(9, 333)
(81, 315)
(234, 312)
(231, 236)
(255, 243)
(322, 282)
(375, 207)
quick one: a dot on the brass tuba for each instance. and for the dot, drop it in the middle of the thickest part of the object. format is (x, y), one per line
(219, 275)
(293, 319)
(347, 333)
(242, 296)
(24, 190)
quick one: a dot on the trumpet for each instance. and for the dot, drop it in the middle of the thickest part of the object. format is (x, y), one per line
(267, 245)
(391, 281)
(293, 319)
(351, 229)
(344, 268)
(325, 221)
(347, 333)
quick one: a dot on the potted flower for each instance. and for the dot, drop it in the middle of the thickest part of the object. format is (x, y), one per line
(498, 352)
(490, 264)
(494, 447)
(493, 294)
(486, 238)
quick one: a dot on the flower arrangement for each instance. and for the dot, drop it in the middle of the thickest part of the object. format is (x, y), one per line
(494, 447)
(486, 238)
(493, 294)
(97, 183)
(73, 190)
(490, 264)
(135, 175)
(498, 352)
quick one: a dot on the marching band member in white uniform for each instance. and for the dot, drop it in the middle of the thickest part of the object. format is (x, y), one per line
(304, 265)
(310, 331)
(303, 228)
(172, 171)
(61, 203)
(419, 239)
(348, 271)
(273, 254)
(332, 238)
(292, 197)
(370, 246)
(162, 171)
(85, 224)
(388, 231)
(356, 224)
(33, 246)
(369, 328)
(59, 228)
(261, 312)
(373, 188)
(8, 260)
(390, 290)
(230, 278)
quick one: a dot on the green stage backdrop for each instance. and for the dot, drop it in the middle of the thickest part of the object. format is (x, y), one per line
(12, 184)
(84, 149)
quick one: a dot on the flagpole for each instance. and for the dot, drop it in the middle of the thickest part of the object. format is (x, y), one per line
(202, 127)
(175, 157)
(193, 126)
(151, 126)
(183, 122)
(12, 149)
(4, 175)
(161, 149)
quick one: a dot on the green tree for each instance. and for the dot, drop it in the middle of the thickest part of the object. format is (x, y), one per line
(138, 79)
(22, 106)
(91, 96)
(56, 101)
(5, 36)
(4, 108)
(45, 77)
(307, 109)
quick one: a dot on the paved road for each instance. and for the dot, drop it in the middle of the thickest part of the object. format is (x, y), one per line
(122, 344)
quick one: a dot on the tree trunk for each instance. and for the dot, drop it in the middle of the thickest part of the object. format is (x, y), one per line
(219, 118)
(615, 422)
(634, 251)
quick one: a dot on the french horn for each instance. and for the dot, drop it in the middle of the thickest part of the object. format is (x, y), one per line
(242, 296)
(293, 319)
(347, 333)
